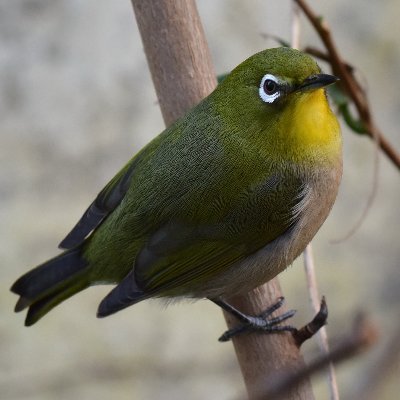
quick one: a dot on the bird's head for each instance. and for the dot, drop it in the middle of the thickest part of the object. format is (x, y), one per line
(279, 96)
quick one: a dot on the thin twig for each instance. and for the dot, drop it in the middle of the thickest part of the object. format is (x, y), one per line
(374, 377)
(295, 38)
(322, 335)
(324, 56)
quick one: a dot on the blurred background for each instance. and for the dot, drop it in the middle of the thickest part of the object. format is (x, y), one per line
(76, 102)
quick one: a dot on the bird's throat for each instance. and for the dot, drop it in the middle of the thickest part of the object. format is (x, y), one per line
(313, 126)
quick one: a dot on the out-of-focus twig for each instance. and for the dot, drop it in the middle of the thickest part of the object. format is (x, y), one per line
(349, 83)
(364, 334)
(295, 37)
(323, 56)
(368, 386)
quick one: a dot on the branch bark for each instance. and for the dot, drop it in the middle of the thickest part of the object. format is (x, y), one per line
(182, 72)
(177, 54)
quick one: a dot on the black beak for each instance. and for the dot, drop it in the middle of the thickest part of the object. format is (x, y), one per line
(317, 81)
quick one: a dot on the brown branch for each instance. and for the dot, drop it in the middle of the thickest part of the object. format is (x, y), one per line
(182, 73)
(177, 54)
(324, 56)
(372, 380)
(261, 356)
(364, 334)
(349, 83)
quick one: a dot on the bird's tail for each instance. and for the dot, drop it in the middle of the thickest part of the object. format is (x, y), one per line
(50, 283)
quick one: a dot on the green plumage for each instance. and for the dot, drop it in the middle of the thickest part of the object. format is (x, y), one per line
(196, 211)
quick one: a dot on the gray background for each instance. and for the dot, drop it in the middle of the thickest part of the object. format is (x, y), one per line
(76, 101)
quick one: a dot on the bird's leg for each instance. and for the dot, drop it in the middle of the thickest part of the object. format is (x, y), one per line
(260, 322)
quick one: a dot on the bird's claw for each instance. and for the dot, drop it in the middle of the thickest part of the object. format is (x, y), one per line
(261, 323)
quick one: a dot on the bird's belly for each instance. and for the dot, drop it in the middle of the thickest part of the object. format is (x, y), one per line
(270, 260)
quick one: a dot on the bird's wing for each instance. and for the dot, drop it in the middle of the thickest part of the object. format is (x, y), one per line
(181, 261)
(180, 258)
(180, 254)
(104, 204)
(162, 272)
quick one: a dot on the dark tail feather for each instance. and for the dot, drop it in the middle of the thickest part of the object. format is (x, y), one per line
(124, 295)
(50, 283)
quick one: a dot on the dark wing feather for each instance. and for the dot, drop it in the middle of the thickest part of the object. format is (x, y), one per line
(106, 201)
(124, 295)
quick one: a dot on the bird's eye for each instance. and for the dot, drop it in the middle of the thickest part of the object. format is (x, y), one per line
(270, 86)
(269, 89)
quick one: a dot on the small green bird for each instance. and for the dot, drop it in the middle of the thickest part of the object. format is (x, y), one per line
(219, 203)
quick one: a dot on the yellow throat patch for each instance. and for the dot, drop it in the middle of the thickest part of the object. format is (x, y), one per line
(313, 125)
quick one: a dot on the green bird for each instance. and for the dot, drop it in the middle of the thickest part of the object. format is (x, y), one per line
(219, 203)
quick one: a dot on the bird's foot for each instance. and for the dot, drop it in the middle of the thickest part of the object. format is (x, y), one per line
(259, 323)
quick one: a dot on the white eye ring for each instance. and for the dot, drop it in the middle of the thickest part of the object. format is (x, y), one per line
(269, 98)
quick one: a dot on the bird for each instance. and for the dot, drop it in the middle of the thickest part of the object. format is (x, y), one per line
(220, 202)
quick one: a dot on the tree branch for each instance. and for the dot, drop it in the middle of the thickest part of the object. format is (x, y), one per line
(177, 53)
(182, 73)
